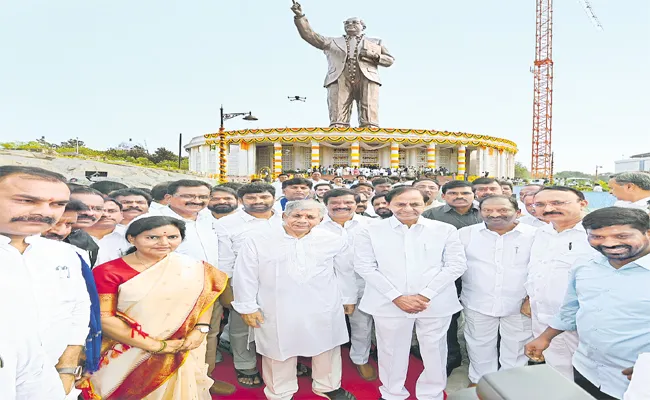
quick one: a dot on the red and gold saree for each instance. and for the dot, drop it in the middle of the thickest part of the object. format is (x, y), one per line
(164, 302)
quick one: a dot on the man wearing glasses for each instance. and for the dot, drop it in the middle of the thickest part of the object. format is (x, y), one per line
(556, 247)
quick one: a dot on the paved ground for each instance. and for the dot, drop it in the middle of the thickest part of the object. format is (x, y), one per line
(458, 379)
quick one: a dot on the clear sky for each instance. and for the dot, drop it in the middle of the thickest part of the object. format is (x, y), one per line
(109, 71)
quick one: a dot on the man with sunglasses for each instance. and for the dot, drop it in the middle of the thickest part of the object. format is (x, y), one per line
(556, 247)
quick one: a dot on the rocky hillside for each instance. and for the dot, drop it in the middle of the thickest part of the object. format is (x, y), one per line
(78, 168)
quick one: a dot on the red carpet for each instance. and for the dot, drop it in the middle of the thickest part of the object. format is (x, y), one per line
(351, 381)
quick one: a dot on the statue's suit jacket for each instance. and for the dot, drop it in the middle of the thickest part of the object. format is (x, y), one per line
(335, 50)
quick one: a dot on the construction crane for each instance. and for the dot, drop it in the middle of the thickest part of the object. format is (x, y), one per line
(542, 154)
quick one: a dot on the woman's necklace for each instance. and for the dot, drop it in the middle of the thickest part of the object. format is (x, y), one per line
(144, 267)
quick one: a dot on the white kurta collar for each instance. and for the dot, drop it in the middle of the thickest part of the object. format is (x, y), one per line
(395, 223)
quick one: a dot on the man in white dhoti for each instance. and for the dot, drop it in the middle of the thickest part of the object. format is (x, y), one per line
(410, 264)
(497, 252)
(342, 220)
(293, 285)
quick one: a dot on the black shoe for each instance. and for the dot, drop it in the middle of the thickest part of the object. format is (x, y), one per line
(373, 353)
(338, 394)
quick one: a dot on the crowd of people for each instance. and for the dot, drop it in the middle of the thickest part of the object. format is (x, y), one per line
(112, 292)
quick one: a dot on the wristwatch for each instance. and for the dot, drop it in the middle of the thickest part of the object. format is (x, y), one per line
(76, 372)
(202, 328)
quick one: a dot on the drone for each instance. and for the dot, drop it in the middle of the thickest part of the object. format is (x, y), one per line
(297, 98)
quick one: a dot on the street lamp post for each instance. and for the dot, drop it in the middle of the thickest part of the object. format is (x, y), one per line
(597, 167)
(222, 140)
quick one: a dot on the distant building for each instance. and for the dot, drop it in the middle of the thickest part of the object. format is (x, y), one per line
(129, 145)
(639, 162)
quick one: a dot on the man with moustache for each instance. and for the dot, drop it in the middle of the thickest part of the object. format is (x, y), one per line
(460, 211)
(367, 189)
(607, 303)
(320, 190)
(94, 200)
(531, 218)
(526, 190)
(43, 276)
(493, 291)
(631, 189)
(409, 264)
(223, 202)
(556, 247)
(135, 202)
(380, 205)
(362, 205)
(63, 227)
(484, 187)
(382, 185)
(293, 284)
(108, 234)
(343, 221)
(293, 189)
(257, 200)
(187, 199)
(430, 188)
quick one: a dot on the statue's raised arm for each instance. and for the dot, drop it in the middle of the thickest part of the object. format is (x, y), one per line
(304, 29)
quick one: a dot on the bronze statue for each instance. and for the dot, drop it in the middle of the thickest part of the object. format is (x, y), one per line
(352, 69)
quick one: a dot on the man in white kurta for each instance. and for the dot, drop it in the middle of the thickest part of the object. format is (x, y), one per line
(258, 200)
(47, 273)
(342, 220)
(497, 252)
(292, 284)
(556, 247)
(410, 264)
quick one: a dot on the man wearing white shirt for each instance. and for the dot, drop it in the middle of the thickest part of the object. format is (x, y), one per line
(293, 285)
(342, 220)
(47, 271)
(639, 388)
(278, 185)
(135, 202)
(109, 234)
(158, 193)
(410, 264)
(531, 218)
(526, 190)
(233, 230)
(187, 199)
(316, 178)
(493, 291)
(632, 189)
(429, 188)
(556, 247)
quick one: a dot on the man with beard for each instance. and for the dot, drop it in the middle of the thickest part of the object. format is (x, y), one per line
(381, 206)
(460, 211)
(369, 191)
(343, 221)
(257, 200)
(43, 277)
(108, 235)
(362, 205)
(94, 200)
(607, 302)
(223, 202)
(409, 264)
(63, 227)
(320, 190)
(556, 247)
(293, 189)
(497, 254)
(293, 285)
(382, 185)
(135, 202)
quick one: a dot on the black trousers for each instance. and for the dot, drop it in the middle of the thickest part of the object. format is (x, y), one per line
(454, 357)
(590, 387)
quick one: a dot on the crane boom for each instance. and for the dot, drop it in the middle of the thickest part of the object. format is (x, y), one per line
(592, 16)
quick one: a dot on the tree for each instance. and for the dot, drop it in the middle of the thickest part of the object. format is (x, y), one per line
(162, 154)
(45, 142)
(72, 144)
(521, 172)
(137, 152)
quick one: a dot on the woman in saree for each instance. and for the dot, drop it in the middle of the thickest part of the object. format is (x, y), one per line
(155, 311)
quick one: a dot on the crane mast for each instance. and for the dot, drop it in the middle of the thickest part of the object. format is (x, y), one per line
(541, 165)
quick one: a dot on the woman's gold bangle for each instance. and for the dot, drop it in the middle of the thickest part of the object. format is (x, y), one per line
(163, 346)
